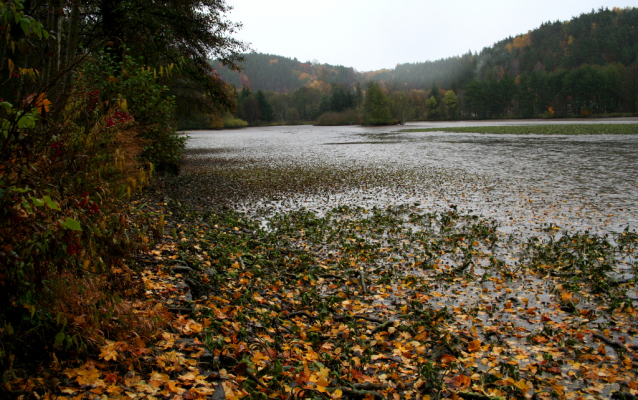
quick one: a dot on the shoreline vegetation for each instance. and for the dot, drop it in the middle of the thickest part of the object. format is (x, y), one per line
(546, 129)
(353, 117)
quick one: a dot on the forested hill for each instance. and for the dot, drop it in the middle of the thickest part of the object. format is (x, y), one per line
(283, 75)
(602, 37)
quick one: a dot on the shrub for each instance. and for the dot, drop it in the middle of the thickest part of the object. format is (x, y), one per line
(331, 118)
(67, 169)
(146, 98)
(231, 122)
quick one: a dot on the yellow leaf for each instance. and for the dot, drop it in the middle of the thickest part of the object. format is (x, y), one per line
(195, 327)
(323, 377)
(566, 296)
(109, 351)
(40, 102)
(87, 375)
(190, 376)
(627, 363)
(11, 66)
(337, 394)
(157, 379)
(114, 389)
(447, 358)
(521, 384)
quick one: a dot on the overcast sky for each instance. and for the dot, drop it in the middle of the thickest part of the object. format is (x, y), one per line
(374, 34)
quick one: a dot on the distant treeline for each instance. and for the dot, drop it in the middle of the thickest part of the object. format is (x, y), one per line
(284, 75)
(582, 67)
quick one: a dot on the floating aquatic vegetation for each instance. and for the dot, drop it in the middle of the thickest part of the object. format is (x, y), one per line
(361, 276)
(545, 129)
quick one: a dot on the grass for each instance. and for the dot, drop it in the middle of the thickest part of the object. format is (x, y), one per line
(569, 129)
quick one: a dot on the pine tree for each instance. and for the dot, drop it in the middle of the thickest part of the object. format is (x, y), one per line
(265, 109)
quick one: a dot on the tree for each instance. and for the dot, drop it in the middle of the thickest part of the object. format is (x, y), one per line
(182, 33)
(249, 111)
(434, 92)
(449, 105)
(324, 105)
(630, 88)
(376, 107)
(432, 108)
(525, 97)
(292, 116)
(358, 94)
(187, 33)
(401, 107)
(306, 100)
(341, 98)
(265, 109)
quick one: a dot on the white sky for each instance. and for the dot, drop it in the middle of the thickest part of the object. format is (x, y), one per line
(374, 34)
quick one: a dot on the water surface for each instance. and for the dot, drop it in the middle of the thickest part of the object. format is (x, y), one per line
(524, 181)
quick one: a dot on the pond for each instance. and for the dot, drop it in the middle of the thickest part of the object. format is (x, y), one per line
(575, 182)
(517, 239)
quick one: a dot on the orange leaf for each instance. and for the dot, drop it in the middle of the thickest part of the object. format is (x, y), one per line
(462, 381)
(474, 345)
(447, 358)
(172, 386)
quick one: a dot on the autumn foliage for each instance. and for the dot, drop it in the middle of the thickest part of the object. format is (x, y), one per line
(76, 146)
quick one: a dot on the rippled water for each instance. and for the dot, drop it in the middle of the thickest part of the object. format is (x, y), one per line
(524, 181)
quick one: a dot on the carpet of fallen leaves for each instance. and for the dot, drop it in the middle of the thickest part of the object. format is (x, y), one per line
(396, 303)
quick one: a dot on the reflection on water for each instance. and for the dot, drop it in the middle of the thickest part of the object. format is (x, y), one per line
(580, 182)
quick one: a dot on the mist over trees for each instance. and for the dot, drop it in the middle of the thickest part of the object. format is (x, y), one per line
(586, 66)
(283, 75)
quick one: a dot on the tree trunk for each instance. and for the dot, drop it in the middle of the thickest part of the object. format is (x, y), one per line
(72, 37)
(55, 39)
